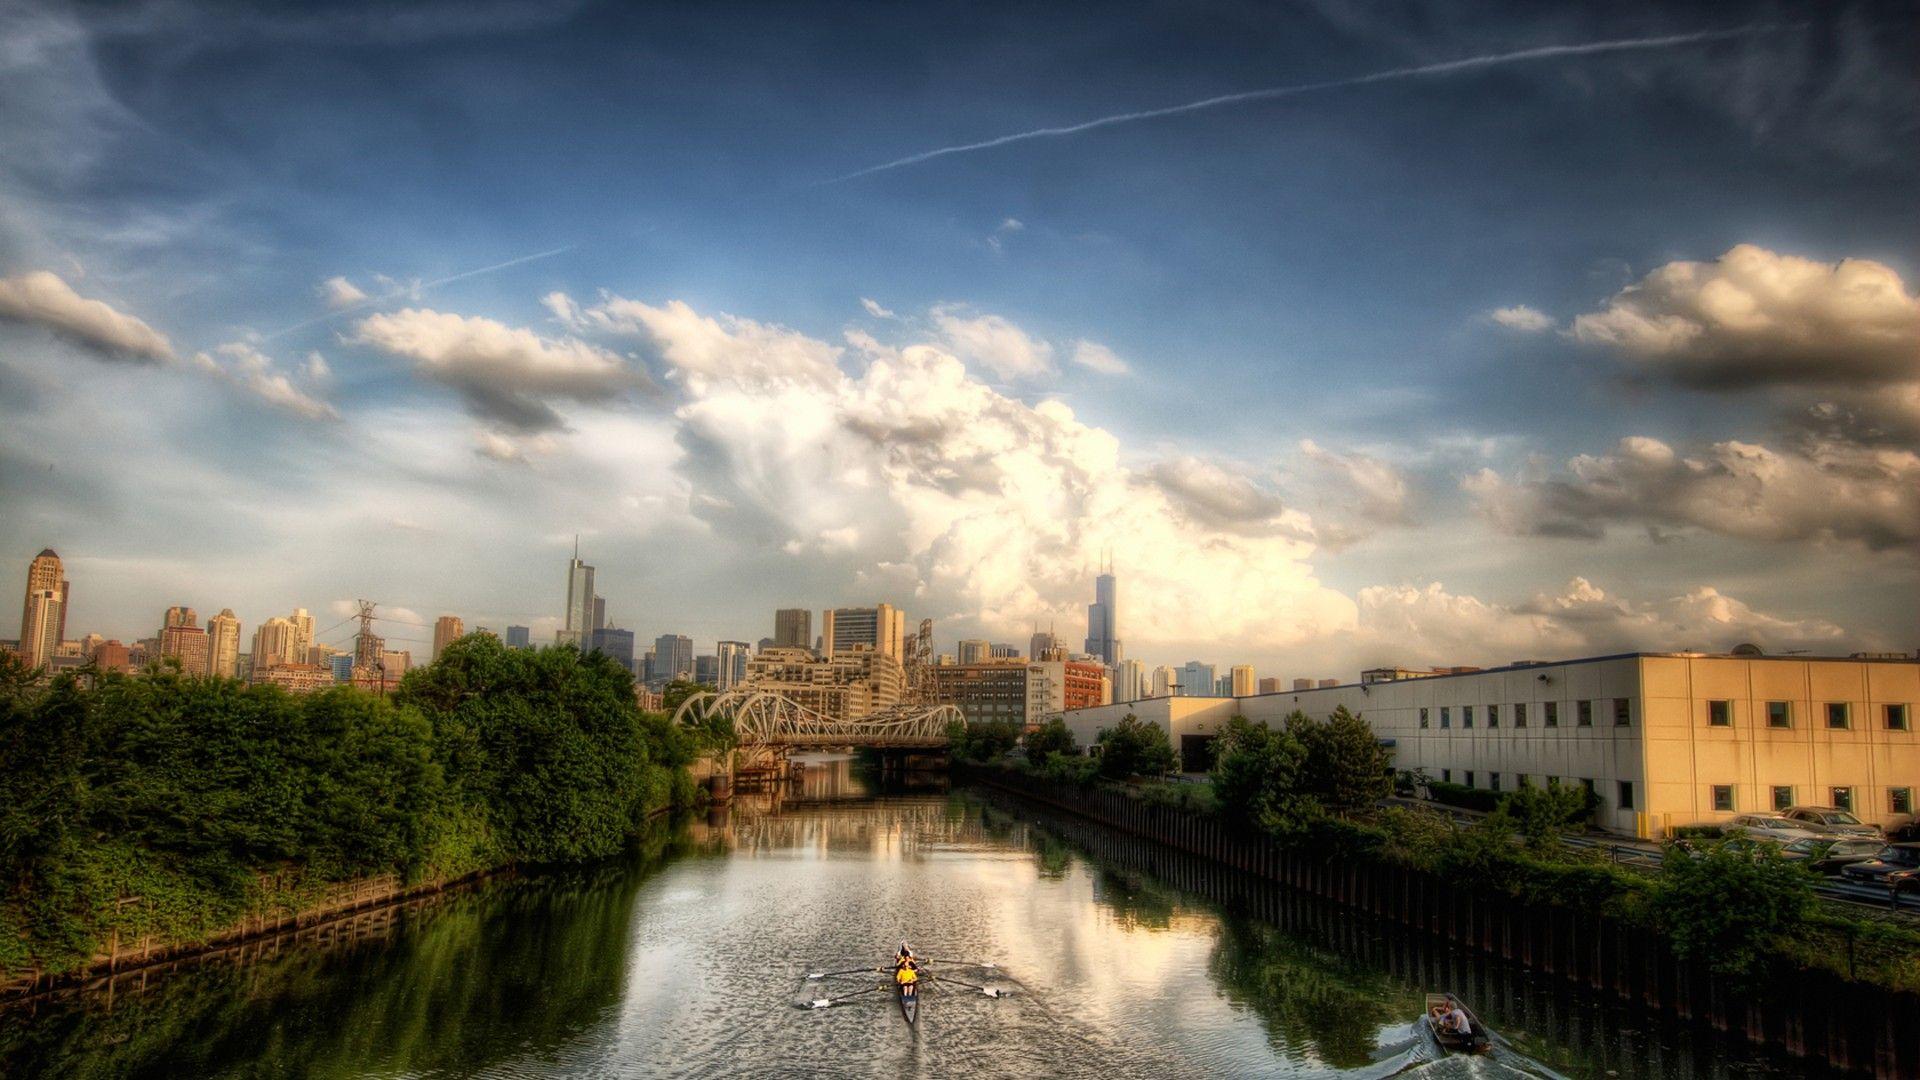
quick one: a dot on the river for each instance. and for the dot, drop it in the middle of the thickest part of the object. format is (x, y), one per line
(689, 959)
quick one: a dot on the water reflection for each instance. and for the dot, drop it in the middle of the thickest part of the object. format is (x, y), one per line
(687, 960)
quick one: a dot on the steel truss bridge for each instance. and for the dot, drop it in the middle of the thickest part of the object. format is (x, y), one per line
(767, 721)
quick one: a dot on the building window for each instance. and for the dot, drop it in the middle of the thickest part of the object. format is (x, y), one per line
(1779, 714)
(1900, 799)
(1782, 796)
(1622, 713)
(1469, 777)
(1520, 715)
(1466, 716)
(1723, 797)
(1843, 798)
(1423, 718)
(1520, 781)
(1583, 713)
(1493, 782)
(1896, 716)
(1626, 794)
(1588, 784)
(1493, 716)
(1552, 711)
(1837, 714)
(1446, 716)
(1719, 714)
(1446, 776)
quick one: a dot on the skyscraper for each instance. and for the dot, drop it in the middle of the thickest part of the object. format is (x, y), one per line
(183, 640)
(447, 629)
(793, 628)
(302, 623)
(519, 637)
(1243, 682)
(599, 612)
(733, 657)
(578, 622)
(881, 628)
(706, 669)
(1130, 681)
(273, 644)
(179, 615)
(616, 644)
(1041, 645)
(974, 650)
(1197, 679)
(672, 658)
(223, 644)
(43, 618)
(1103, 618)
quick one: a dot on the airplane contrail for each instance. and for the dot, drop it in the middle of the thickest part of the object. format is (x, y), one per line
(1447, 67)
(372, 300)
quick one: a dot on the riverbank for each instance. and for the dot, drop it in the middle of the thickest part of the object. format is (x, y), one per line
(1817, 1015)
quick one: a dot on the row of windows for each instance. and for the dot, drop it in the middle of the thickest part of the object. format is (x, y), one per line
(1899, 799)
(1839, 715)
(1583, 713)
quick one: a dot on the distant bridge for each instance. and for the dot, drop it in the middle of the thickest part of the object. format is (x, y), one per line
(763, 719)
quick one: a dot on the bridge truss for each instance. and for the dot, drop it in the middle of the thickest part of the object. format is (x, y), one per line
(767, 721)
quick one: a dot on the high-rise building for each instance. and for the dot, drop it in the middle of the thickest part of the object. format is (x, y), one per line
(188, 644)
(1197, 679)
(1103, 619)
(733, 656)
(1041, 645)
(1166, 681)
(1270, 685)
(881, 628)
(1004, 650)
(793, 628)
(975, 651)
(1241, 681)
(223, 644)
(342, 665)
(845, 686)
(1130, 681)
(578, 620)
(672, 658)
(599, 612)
(396, 662)
(302, 622)
(43, 617)
(519, 637)
(983, 693)
(113, 656)
(273, 644)
(448, 629)
(1054, 686)
(615, 643)
(179, 615)
(706, 669)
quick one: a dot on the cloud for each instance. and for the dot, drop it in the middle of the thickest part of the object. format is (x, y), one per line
(1522, 318)
(506, 375)
(42, 299)
(1007, 227)
(315, 368)
(1822, 492)
(340, 293)
(1429, 625)
(253, 371)
(1754, 317)
(993, 343)
(874, 309)
(1369, 492)
(1098, 358)
(990, 508)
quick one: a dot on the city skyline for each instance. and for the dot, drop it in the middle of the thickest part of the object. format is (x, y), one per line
(1356, 342)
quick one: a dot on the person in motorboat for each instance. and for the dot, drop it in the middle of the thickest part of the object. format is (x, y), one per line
(1453, 1019)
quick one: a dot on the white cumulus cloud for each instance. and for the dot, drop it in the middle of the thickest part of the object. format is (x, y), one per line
(1522, 318)
(254, 372)
(992, 342)
(42, 298)
(1098, 358)
(340, 294)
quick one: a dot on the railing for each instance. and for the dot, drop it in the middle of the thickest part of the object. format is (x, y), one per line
(765, 718)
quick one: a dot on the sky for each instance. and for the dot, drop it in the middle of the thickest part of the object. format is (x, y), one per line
(1356, 333)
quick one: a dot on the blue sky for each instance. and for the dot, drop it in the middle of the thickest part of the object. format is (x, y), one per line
(1321, 268)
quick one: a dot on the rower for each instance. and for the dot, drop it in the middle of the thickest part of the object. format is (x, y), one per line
(1455, 1019)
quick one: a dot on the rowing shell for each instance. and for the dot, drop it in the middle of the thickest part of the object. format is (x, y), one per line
(909, 1003)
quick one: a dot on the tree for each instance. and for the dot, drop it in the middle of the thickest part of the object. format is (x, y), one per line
(1726, 903)
(1541, 814)
(1134, 748)
(1256, 772)
(1346, 768)
(1052, 737)
(675, 693)
(982, 741)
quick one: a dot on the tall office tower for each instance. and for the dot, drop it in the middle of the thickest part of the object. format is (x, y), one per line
(1130, 681)
(1166, 681)
(223, 644)
(793, 628)
(179, 616)
(273, 644)
(188, 644)
(1303, 684)
(881, 629)
(975, 651)
(733, 657)
(579, 616)
(599, 613)
(672, 658)
(43, 618)
(1270, 685)
(1241, 676)
(616, 644)
(519, 637)
(447, 629)
(706, 669)
(1198, 679)
(1041, 645)
(1003, 651)
(764, 644)
(1103, 618)
(302, 622)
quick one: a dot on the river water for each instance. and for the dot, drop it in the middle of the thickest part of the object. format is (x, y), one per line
(689, 959)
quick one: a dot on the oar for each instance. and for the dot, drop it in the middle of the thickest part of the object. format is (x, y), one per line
(963, 963)
(823, 1003)
(848, 971)
(991, 992)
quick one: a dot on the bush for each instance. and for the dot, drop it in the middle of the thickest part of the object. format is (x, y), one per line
(987, 740)
(1542, 814)
(1462, 796)
(1729, 904)
(1052, 737)
(1133, 747)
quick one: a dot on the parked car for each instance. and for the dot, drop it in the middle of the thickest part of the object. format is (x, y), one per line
(1832, 821)
(1769, 827)
(1827, 854)
(1897, 866)
(1908, 832)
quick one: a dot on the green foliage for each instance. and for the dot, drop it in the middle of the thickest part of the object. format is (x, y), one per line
(1052, 737)
(675, 694)
(1542, 814)
(1070, 769)
(1729, 903)
(175, 805)
(1462, 796)
(984, 741)
(1257, 776)
(1133, 747)
(1346, 769)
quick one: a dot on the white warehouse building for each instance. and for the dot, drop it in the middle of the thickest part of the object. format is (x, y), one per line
(1665, 739)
